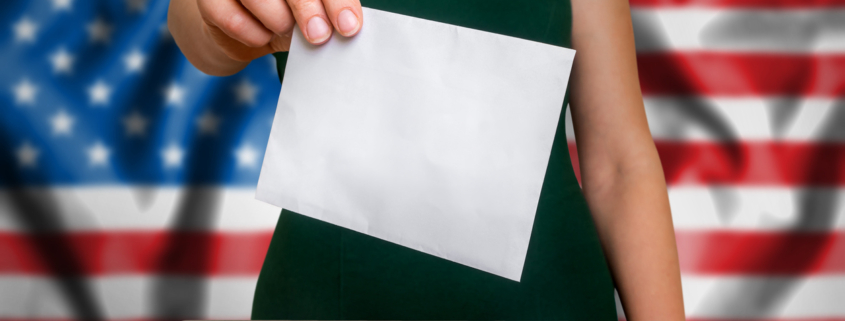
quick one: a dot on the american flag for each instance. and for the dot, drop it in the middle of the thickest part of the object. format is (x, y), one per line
(127, 176)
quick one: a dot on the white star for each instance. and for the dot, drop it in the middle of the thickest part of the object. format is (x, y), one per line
(208, 123)
(99, 31)
(27, 155)
(25, 92)
(136, 124)
(246, 92)
(174, 94)
(99, 93)
(247, 156)
(134, 61)
(62, 61)
(98, 154)
(172, 156)
(60, 5)
(25, 30)
(273, 67)
(136, 5)
(62, 123)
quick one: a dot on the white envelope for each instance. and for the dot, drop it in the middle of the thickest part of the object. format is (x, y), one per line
(424, 134)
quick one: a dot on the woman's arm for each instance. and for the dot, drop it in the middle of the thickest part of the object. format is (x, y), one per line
(621, 173)
(220, 37)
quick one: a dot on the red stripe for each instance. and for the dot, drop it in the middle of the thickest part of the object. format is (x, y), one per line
(197, 317)
(750, 319)
(748, 163)
(228, 253)
(246, 318)
(741, 74)
(761, 253)
(69, 319)
(134, 252)
(620, 319)
(783, 319)
(740, 4)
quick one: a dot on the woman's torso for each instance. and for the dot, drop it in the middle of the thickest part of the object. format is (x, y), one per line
(315, 270)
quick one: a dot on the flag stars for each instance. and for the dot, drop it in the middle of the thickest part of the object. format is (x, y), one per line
(136, 124)
(134, 61)
(62, 61)
(98, 155)
(271, 61)
(62, 123)
(172, 156)
(62, 5)
(25, 30)
(208, 123)
(136, 6)
(247, 157)
(99, 31)
(25, 92)
(99, 93)
(245, 92)
(27, 155)
(173, 95)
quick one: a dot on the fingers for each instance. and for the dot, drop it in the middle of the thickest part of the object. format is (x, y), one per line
(238, 51)
(235, 21)
(273, 14)
(245, 29)
(312, 20)
(346, 15)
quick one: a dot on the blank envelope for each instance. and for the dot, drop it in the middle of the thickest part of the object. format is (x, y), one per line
(432, 136)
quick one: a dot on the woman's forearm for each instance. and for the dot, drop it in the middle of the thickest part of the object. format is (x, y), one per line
(188, 30)
(632, 216)
(621, 174)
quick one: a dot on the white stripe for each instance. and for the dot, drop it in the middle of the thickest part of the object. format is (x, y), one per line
(141, 208)
(757, 208)
(673, 118)
(764, 297)
(126, 297)
(123, 297)
(785, 31)
(735, 119)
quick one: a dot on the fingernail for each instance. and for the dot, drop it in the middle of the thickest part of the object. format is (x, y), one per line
(318, 30)
(347, 22)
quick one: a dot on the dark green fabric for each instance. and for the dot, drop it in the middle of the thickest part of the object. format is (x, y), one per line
(315, 270)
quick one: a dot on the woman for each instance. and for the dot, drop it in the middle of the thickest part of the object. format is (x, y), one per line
(616, 231)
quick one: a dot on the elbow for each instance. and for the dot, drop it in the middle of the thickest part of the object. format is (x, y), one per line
(606, 175)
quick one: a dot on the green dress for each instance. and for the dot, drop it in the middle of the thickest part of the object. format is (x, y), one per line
(315, 270)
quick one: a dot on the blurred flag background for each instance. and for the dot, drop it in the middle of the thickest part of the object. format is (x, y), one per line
(127, 176)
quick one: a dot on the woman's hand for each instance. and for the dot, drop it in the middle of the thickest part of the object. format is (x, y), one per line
(221, 36)
(248, 29)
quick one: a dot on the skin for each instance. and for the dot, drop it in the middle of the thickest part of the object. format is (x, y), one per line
(621, 174)
(221, 37)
